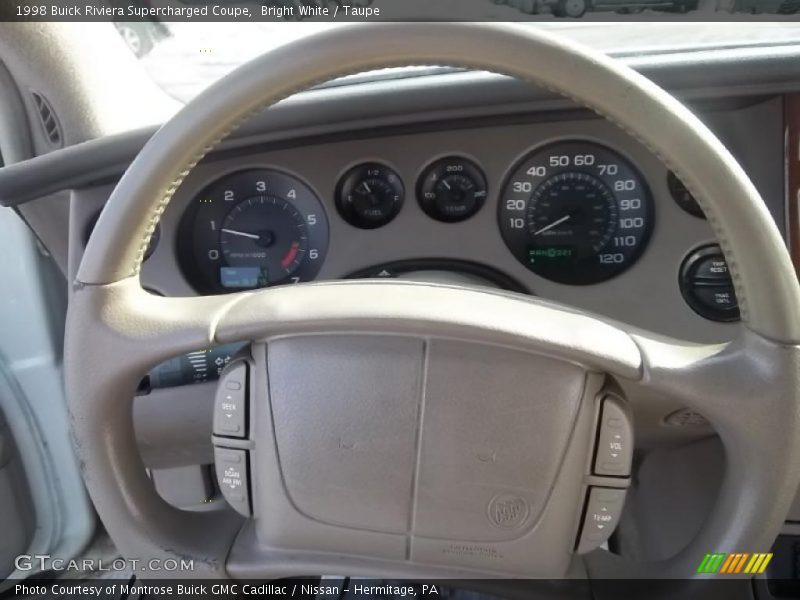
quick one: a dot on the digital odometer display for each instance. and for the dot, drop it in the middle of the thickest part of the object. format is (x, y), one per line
(575, 212)
(253, 229)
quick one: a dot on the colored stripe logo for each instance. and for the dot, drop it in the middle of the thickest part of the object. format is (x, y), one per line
(735, 563)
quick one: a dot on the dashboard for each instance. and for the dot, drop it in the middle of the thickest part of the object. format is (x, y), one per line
(570, 209)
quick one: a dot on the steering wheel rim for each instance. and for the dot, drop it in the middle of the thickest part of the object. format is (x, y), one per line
(133, 331)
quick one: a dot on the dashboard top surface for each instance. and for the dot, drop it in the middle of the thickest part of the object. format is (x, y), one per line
(702, 76)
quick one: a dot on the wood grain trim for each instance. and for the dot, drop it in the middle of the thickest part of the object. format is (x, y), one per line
(792, 171)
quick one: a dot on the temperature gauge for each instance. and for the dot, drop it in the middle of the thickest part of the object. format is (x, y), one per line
(452, 189)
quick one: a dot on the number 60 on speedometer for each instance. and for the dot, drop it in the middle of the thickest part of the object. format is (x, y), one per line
(575, 212)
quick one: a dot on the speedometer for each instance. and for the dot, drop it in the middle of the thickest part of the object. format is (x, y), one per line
(253, 229)
(575, 212)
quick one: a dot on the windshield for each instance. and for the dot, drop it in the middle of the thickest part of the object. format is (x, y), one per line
(184, 58)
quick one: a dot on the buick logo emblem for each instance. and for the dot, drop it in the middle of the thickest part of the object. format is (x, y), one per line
(507, 511)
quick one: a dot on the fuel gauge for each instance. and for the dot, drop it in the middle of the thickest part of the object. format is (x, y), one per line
(370, 195)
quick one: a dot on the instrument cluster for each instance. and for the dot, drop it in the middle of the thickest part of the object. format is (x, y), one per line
(574, 212)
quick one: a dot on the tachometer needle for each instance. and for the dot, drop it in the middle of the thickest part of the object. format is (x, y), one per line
(252, 236)
(553, 224)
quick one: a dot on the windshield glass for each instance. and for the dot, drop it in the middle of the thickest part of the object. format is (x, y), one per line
(186, 57)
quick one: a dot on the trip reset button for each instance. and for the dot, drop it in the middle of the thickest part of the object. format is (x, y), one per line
(706, 285)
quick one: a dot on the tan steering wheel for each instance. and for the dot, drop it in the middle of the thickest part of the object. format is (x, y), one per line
(116, 331)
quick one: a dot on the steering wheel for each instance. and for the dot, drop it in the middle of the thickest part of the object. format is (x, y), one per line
(409, 354)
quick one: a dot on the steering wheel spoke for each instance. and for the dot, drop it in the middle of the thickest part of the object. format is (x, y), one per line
(724, 382)
(143, 327)
(424, 310)
(733, 386)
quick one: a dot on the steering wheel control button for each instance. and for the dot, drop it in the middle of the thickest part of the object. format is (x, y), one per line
(683, 197)
(603, 510)
(232, 472)
(706, 285)
(452, 189)
(230, 405)
(614, 441)
(370, 196)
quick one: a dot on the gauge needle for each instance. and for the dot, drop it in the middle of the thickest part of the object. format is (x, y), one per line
(366, 187)
(553, 224)
(445, 184)
(252, 236)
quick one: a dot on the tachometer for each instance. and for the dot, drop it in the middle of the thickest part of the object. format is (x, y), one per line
(253, 229)
(575, 212)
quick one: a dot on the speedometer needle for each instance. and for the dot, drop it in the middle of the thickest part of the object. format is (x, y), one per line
(252, 236)
(553, 224)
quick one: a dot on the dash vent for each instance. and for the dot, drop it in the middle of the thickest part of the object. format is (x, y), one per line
(47, 117)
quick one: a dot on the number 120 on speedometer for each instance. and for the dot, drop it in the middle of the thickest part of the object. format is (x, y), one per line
(575, 212)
